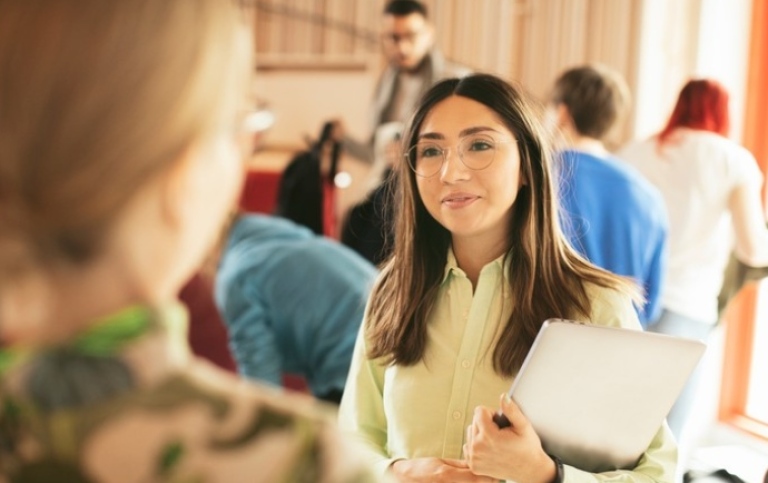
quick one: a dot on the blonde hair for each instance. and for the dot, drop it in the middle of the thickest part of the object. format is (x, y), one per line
(97, 97)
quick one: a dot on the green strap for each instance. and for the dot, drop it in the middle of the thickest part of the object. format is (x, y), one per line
(105, 337)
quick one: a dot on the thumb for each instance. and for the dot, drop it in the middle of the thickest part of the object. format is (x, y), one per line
(512, 411)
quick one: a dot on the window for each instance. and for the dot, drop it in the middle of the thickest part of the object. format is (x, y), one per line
(757, 384)
(744, 395)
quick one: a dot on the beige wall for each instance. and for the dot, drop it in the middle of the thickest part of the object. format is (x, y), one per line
(311, 72)
(303, 99)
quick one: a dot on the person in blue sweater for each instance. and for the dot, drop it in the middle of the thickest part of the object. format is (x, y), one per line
(292, 302)
(610, 213)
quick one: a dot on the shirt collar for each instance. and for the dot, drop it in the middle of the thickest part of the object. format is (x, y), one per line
(452, 266)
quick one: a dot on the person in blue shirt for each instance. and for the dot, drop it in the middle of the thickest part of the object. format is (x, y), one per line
(610, 213)
(292, 302)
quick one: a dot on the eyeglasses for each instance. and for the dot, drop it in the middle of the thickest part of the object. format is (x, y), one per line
(396, 38)
(477, 152)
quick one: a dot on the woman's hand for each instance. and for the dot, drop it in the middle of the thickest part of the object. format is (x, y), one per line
(512, 453)
(435, 470)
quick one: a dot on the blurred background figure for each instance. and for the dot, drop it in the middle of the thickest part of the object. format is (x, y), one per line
(414, 64)
(611, 214)
(711, 188)
(122, 140)
(292, 302)
(368, 227)
(307, 190)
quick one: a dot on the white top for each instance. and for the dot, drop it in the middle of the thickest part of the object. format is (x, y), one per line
(696, 172)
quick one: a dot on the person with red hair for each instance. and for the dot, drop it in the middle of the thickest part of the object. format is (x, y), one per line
(702, 105)
(711, 186)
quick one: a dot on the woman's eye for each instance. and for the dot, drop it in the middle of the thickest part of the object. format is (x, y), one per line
(430, 152)
(480, 145)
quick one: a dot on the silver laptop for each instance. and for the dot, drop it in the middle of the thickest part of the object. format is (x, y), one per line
(597, 395)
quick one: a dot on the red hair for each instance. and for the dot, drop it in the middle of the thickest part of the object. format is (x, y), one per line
(702, 104)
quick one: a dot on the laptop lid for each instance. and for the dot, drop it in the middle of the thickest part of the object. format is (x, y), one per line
(597, 395)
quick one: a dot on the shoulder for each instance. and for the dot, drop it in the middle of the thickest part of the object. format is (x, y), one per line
(254, 231)
(638, 147)
(607, 168)
(452, 69)
(445, 69)
(258, 247)
(292, 434)
(636, 187)
(722, 157)
(610, 307)
(710, 146)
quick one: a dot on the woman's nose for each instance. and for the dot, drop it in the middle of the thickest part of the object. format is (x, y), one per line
(453, 168)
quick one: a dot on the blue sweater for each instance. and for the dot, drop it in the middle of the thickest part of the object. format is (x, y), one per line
(292, 301)
(617, 219)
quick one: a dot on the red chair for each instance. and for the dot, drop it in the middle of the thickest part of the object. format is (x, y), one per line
(260, 191)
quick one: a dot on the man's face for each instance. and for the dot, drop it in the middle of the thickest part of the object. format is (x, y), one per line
(406, 40)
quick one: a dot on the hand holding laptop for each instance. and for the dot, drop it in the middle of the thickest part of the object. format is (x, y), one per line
(596, 395)
(489, 451)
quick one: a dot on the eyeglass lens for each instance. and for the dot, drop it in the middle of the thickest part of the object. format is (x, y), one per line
(475, 152)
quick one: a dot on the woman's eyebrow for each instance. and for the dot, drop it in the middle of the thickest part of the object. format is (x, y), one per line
(430, 135)
(465, 132)
(475, 130)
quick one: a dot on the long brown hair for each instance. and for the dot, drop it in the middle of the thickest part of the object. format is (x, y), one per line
(546, 276)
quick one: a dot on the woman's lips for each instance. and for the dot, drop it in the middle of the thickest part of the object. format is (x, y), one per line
(459, 200)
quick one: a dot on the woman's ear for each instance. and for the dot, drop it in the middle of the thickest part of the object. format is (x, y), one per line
(176, 183)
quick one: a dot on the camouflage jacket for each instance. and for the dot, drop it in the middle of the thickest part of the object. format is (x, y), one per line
(125, 401)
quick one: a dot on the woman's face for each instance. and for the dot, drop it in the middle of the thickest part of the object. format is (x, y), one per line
(473, 204)
(214, 183)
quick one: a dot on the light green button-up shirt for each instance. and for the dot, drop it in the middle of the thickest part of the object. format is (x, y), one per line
(423, 410)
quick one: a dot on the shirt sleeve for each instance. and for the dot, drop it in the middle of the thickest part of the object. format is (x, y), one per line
(361, 413)
(743, 169)
(251, 336)
(657, 464)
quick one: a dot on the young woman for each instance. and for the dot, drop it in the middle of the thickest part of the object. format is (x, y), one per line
(479, 264)
(120, 159)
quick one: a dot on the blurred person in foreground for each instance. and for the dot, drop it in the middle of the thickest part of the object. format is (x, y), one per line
(611, 214)
(115, 178)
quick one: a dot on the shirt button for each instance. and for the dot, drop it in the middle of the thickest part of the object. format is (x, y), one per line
(456, 415)
(465, 364)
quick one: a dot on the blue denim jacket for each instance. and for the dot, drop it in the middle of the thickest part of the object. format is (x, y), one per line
(292, 301)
